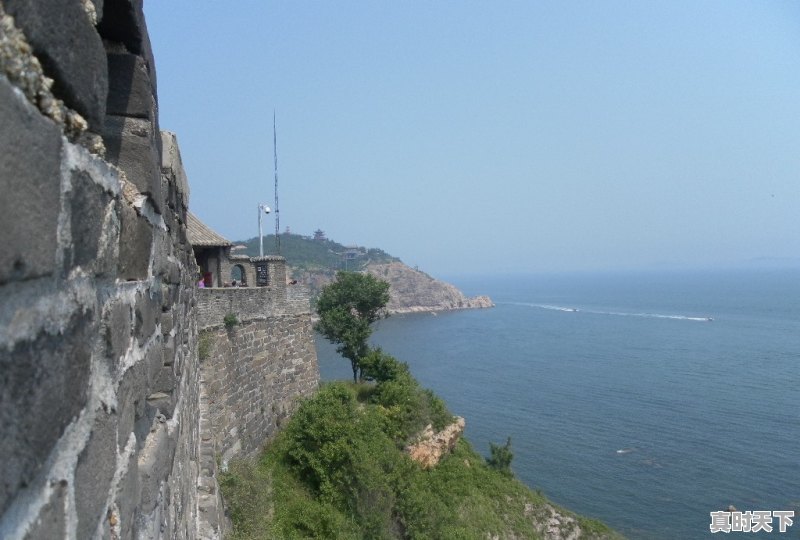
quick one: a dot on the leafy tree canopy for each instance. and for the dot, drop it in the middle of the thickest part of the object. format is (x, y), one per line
(347, 308)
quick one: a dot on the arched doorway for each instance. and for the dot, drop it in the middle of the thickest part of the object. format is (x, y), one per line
(238, 275)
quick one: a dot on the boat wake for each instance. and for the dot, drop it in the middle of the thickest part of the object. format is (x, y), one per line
(617, 313)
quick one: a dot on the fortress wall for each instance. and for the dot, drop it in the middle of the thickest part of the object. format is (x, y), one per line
(101, 416)
(254, 373)
(249, 303)
(99, 377)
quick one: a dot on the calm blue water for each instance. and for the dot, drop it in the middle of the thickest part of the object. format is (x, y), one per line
(706, 413)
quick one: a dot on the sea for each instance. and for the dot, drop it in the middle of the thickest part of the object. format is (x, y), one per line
(644, 399)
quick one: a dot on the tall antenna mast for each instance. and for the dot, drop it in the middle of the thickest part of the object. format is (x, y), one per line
(277, 212)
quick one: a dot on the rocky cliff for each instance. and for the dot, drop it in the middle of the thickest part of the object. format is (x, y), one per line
(415, 291)
(410, 290)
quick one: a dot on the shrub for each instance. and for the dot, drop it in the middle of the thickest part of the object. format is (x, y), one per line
(230, 320)
(501, 457)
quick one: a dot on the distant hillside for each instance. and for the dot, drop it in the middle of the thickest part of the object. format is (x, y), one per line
(306, 253)
(314, 262)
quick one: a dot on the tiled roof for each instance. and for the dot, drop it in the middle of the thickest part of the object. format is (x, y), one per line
(201, 235)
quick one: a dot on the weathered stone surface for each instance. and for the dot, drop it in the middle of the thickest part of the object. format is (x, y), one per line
(135, 243)
(89, 205)
(50, 522)
(163, 402)
(70, 51)
(96, 466)
(171, 161)
(167, 322)
(154, 463)
(255, 376)
(42, 389)
(131, 401)
(126, 498)
(129, 90)
(145, 312)
(30, 183)
(118, 325)
(431, 446)
(132, 146)
(124, 22)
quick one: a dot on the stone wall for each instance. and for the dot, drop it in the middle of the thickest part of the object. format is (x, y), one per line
(253, 376)
(99, 378)
(100, 381)
(249, 303)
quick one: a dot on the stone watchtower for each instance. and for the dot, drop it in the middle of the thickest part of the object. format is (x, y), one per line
(220, 268)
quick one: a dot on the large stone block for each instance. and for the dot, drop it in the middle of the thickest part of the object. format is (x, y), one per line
(118, 330)
(96, 466)
(127, 497)
(92, 237)
(70, 50)
(124, 22)
(131, 404)
(129, 90)
(51, 522)
(43, 387)
(135, 244)
(155, 462)
(131, 145)
(31, 185)
(172, 163)
(145, 313)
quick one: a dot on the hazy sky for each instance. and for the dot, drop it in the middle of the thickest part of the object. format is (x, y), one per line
(481, 136)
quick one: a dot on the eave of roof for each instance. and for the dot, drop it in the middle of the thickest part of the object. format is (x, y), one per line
(201, 234)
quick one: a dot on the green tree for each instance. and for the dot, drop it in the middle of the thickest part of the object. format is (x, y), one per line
(501, 457)
(347, 308)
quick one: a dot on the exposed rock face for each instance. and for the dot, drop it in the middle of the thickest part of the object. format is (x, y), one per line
(431, 446)
(414, 291)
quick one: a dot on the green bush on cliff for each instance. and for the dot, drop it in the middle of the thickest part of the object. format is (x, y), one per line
(500, 457)
(404, 405)
(336, 471)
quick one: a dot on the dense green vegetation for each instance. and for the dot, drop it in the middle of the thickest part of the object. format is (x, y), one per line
(337, 470)
(347, 308)
(306, 254)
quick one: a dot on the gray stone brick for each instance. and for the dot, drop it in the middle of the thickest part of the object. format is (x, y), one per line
(127, 496)
(129, 90)
(135, 243)
(96, 466)
(154, 463)
(50, 522)
(131, 401)
(42, 389)
(70, 50)
(124, 22)
(30, 182)
(145, 312)
(88, 206)
(162, 401)
(133, 145)
(118, 329)
(167, 322)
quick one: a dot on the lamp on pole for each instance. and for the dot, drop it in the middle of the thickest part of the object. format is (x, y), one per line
(266, 210)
